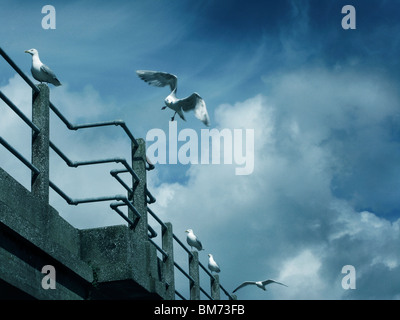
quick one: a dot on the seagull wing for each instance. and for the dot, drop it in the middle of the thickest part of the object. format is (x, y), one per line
(265, 282)
(158, 78)
(50, 75)
(196, 103)
(246, 283)
(199, 245)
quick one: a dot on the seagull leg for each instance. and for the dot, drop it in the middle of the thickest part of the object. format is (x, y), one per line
(173, 117)
(163, 108)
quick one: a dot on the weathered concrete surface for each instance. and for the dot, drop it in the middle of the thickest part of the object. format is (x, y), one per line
(96, 263)
(33, 235)
(40, 142)
(118, 266)
(195, 274)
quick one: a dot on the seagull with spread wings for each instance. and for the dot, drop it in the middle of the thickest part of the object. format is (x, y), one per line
(193, 102)
(260, 284)
(40, 71)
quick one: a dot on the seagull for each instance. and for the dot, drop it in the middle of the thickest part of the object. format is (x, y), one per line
(260, 284)
(193, 102)
(40, 71)
(212, 265)
(193, 241)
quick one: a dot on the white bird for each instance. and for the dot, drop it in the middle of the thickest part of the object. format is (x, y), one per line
(193, 102)
(40, 71)
(212, 265)
(193, 241)
(260, 284)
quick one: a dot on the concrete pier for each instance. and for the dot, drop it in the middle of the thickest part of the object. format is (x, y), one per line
(44, 257)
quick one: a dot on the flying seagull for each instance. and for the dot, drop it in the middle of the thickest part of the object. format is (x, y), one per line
(260, 284)
(193, 102)
(40, 71)
(193, 241)
(212, 265)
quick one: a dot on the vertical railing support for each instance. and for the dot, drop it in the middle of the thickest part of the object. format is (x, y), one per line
(40, 143)
(139, 187)
(215, 290)
(195, 274)
(139, 236)
(169, 268)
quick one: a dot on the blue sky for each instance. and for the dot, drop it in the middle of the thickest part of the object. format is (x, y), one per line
(323, 102)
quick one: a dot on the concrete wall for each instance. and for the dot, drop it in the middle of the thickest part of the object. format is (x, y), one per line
(114, 262)
(90, 264)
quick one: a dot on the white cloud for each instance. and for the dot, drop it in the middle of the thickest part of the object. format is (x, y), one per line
(302, 272)
(285, 221)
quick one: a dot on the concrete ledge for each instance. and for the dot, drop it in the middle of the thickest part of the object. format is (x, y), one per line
(117, 264)
(101, 263)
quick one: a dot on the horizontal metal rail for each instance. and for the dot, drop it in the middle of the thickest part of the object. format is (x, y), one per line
(206, 271)
(93, 125)
(76, 164)
(18, 70)
(114, 206)
(182, 245)
(179, 295)
(19, 112)
(121, 200)
(60, 115)
(211, 276)
(19, 156)
(150, 196)
(163, 226)
(164, 254)
(115, 173)
(226, 292)
(205, 292)
(184, 272)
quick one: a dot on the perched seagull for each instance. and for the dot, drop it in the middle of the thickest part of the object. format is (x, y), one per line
(40, 71)
(193, 241)
(212, 265)
(193, 102)
(260, 284)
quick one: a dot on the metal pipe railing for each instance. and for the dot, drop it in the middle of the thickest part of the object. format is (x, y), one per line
(19, 156)
(122, 200)
(76, 164)
(19, 71)
(94, 125)
(19, 113)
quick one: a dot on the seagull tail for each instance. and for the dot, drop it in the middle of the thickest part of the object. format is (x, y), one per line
(56, 82)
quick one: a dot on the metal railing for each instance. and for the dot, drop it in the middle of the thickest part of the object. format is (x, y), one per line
(118, 200)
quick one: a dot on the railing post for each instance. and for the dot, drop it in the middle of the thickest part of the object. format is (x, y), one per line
(40, 143)
(215, 290)
(139, 236)
(139, 188)
(169, 268)
(195, 274)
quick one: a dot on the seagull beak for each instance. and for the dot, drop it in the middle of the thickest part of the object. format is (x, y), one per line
(26, 51)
